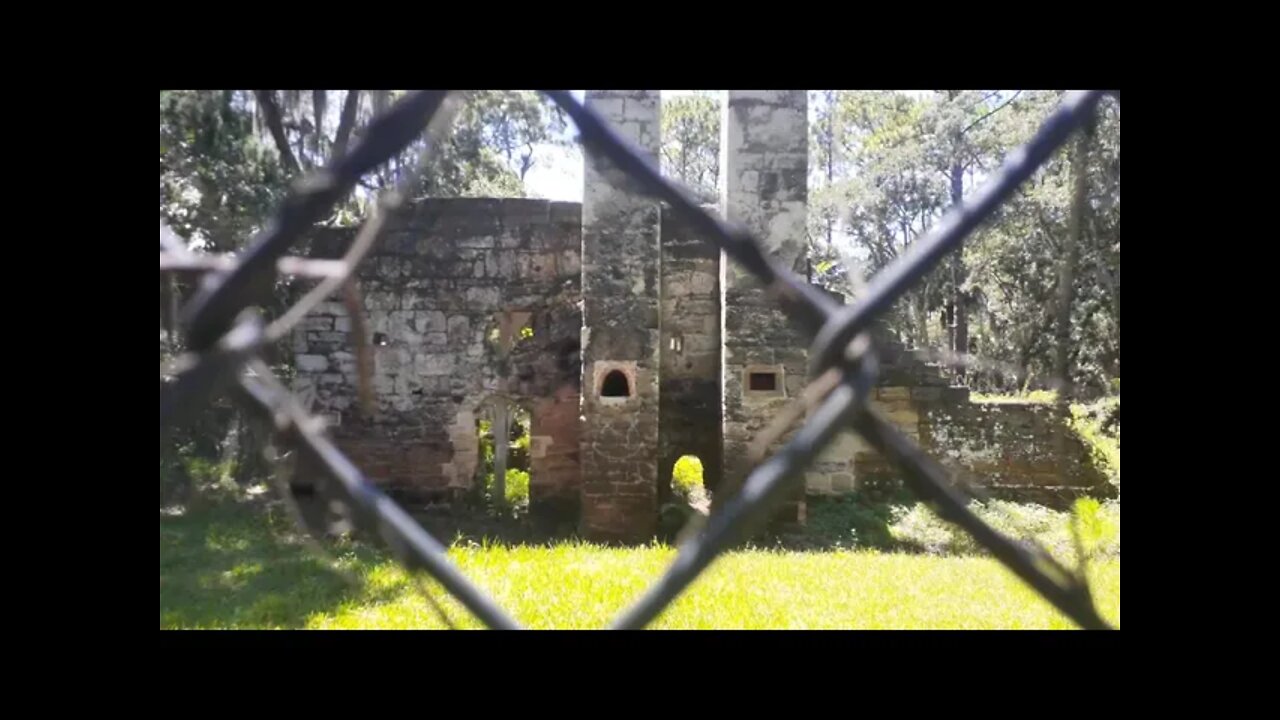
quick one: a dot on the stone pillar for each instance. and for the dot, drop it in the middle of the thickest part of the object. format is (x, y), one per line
(620, 331)
(764, 167)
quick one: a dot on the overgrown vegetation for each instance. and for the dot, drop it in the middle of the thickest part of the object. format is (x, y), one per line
(1098, 424)
(517, 484)
(908, 526)
(918, 528)
(517, 488)
(851, 521)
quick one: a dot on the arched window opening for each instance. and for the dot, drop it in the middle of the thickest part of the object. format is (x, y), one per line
(615, 385)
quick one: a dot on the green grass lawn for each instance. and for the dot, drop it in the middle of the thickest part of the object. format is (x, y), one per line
(232, 566)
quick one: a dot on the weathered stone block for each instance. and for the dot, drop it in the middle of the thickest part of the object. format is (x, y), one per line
(483, 297)
(429, 321)
(318, 323)
(433, 364)
(312, 363)
(704, 283)
(926, 394)
(893, 393)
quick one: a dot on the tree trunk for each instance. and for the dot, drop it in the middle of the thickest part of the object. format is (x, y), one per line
(173, 310)
(345, 123)
(959, 309)
(922, 319)
(318, 106)
(1066, 282)
(271, 114)
(831, 156)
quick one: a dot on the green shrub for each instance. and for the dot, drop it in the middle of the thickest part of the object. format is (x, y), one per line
(686, 476)
(1098, 426)
(918, 528)
(850, 521)
(517, 487)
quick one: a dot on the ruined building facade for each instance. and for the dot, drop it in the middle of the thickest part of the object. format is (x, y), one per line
(628, 340)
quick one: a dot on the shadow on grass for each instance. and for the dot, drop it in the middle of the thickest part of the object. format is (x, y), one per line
(242, 565)
(238, 565)
(839, 523)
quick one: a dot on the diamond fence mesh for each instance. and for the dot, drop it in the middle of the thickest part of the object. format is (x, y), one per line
(226, 336)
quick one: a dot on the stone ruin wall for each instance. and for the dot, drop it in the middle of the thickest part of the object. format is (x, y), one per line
(1013, 451)
(689, 393)
(764, 169)
(440, 281)
(662, 306)
(435, 288)
(621, 331)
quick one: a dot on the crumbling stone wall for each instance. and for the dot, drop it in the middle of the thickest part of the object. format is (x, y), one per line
(620, 294)
(690, 352)
(849, 463)
(435, 289)
(1019, 451)
(764, 166)
(621, 333)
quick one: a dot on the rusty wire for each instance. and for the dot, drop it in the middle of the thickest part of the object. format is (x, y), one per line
(225, 338)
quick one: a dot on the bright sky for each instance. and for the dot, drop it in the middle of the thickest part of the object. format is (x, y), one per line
(557, 172)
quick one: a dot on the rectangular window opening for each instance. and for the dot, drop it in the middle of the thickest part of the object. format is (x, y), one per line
(765, 381)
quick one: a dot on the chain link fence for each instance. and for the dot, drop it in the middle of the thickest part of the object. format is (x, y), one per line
(226, 335)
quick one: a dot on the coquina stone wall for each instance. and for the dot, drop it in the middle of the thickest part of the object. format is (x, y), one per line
(443, 290)
(630, 341)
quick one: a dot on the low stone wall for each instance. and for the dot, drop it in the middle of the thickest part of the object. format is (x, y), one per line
(1016, 451)
(1013, 451)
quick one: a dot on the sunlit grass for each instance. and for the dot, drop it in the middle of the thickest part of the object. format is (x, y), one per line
(230, 568)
